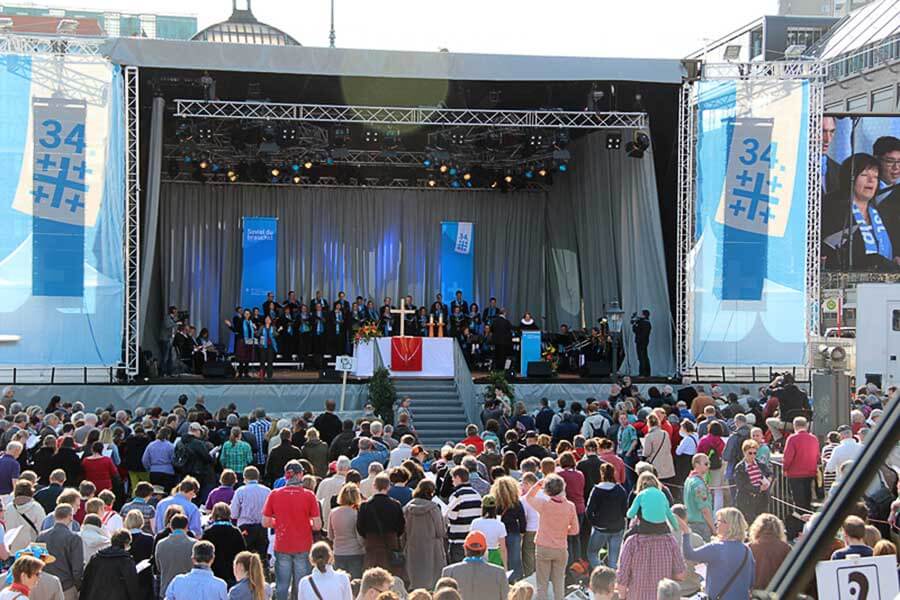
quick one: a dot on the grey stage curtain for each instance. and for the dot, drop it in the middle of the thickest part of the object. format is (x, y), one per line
(371, 242)
(595, 236)
(151, 303)
(610, 226)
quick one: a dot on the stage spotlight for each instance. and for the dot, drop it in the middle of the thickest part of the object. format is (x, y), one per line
(529, 174)
(613, 141)
(204, 164)
(457, 138)
(295, 167)
(287, 135)
(455, 183)
(214, 168)
(427, 163)
(187, 159)
(432, 182)
(204, 133)
(329, 161)
(467, 176)
(230, 173)
(444, 168)
(536, 140)
(296, 179)
(636, 148)
(372, 138)
(453, 171)
(275, 172)
(469, 184)
(542, 172)
(562, 167)
(308, 164)
(508, 179)
(494, 184)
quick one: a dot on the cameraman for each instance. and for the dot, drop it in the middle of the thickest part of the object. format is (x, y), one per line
(167, 340)
(640, 325)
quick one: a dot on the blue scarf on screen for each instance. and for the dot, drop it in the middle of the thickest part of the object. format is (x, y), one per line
(874, 234)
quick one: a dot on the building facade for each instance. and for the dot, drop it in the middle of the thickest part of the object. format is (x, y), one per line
(113, 23)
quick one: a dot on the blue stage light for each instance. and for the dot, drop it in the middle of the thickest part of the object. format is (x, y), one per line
(563, 168)
(453, 171)
(469, 183)
(454, 183)
(529, 174)
(295, 167)
(329, 161)
(427, 163)
(187, 159)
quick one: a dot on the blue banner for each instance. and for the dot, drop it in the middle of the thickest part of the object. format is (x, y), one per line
(457, 259)
(259, 243)
(62, 205)
(748, 264)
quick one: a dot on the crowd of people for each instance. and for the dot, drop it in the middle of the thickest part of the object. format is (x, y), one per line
(624, 496)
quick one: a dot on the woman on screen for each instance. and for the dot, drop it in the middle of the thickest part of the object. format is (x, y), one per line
(854, 236)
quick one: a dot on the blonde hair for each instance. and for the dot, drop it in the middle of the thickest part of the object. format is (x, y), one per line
(94, 506)
(749, 445)
(134, 519)
(251, 563)
(873, 536)
(646, 480)
(521, 591)
(506, 492)
(349, 495)
(312, 434)
(106, 436)
(735, 522)
(767, 524)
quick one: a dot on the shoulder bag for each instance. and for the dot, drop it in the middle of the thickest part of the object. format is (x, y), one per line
(396, 558)
(734, 576)
(315, 589)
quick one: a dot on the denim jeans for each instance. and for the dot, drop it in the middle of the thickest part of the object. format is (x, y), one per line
(353, 565)
(611, 540)
(514, 555)
(287, 566)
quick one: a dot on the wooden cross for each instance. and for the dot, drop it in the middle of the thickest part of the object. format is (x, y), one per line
(402, 311)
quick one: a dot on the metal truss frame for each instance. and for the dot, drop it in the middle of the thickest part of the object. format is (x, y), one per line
(687, 141)
(394, 115)
(14, 43)
(815, 73)
(328, 181)
(132, 257)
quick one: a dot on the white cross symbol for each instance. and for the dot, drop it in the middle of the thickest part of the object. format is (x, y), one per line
(402, 311)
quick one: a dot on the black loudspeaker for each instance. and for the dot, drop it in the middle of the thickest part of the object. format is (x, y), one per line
(215, 370)
(331, 374)
(539, 368)
(599, 368)
(874, 378)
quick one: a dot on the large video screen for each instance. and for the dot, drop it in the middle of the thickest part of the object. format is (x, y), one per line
(861, 198)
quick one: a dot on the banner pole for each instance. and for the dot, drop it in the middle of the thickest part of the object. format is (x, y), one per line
(343, 390)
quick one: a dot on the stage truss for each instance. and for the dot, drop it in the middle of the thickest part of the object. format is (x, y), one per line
(396, 115)
(132, 222)
(815, 73)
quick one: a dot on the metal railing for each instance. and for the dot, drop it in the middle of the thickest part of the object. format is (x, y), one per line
(875, 55)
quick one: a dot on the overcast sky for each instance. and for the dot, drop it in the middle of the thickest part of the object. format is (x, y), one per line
(639, 28)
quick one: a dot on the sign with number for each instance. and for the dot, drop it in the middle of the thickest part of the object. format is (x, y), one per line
(869, 578)
(345, 363)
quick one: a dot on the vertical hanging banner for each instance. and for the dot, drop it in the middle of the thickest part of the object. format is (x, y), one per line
(62, 205)
(748, 279)
(457, 259)
(259, 244)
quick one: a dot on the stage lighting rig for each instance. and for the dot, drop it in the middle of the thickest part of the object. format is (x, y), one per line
(457, 138)
(536, 140)
(613, 140)
(287, 135)
(183, 132)
(296, 179)
(372, 138)
(392, 139)
(204, 133)
(638, 146)
(340, 136)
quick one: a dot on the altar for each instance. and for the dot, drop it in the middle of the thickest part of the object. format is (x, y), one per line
(437, 358)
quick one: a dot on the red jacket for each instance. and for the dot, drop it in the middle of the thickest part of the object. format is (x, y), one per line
(801, 455)
(475, 440)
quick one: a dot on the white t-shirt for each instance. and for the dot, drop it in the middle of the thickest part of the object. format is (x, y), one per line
(532, 517)
(332, 585)
(493, 529)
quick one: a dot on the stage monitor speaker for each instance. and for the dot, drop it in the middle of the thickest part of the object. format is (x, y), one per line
(539, 368)
(215, 370)
(330, 374)
(600, 368)
(874, 378)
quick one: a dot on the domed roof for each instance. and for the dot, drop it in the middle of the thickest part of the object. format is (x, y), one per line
(243, 28)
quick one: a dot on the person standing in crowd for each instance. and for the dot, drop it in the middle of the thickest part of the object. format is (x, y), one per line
(512, 513)
(558, 520)
(605, 515)
(752, 480)
(158, 459)
(769, 546)
(713, 446)
(246, 510)
(172, 555)
(111, 573)
(801, 461)
(381, 524)
(250, 577)
(644, 562)
(641, 328)
(425, 537)
(324, 581)
(731, 567)
(574, 480)
(24, 514)
(348, 546)
(167, 340)
(47, 496)
(259, 428)
(316, 452)
(463, 507)
(227, 539)
(476, 577)
(328, 424)
(25, 572)
(10, 467)
(235, 454)
(184, 495)
(853, 532)
(199, 583)
(698, 499)
(65, 546)
(294, 513)
(657, 450)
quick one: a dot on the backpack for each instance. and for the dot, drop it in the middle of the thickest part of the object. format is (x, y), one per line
(182, 457)
(715, 459)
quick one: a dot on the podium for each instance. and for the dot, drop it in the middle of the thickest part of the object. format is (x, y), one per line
(529, 350)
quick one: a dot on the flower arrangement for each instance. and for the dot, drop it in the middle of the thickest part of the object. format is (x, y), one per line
(551, 356)
(366, 333)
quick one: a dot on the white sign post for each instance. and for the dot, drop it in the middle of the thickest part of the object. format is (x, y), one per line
(857, 578)
(346, 364)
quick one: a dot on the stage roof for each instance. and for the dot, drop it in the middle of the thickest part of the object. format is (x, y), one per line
(341, 62)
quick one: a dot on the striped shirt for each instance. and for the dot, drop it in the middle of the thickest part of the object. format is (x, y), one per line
(247, 503)
(754, 474)
(463, 507)
(259, 428)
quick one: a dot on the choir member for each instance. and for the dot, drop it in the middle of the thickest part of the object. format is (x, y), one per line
(458, 301)
(491, 312)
